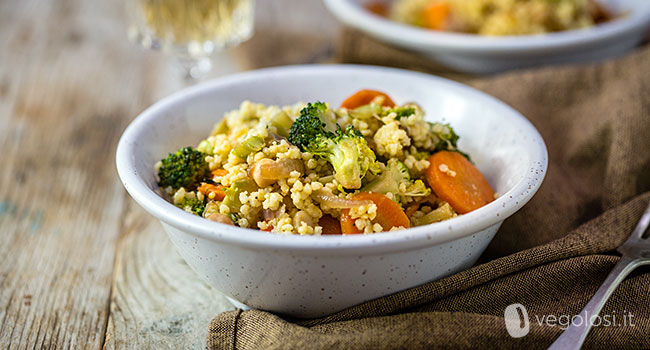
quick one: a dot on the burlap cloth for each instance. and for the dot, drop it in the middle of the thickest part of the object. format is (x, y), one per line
(551, 256)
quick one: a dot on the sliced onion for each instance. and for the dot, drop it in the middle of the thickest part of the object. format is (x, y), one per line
(332, 201)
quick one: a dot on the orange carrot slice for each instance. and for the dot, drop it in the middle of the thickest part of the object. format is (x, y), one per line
(389, 213)
(330, 225)
(347, 223)
(457, 181)
(364, 97)
(436, 16)
(213, 192)
(219, 172)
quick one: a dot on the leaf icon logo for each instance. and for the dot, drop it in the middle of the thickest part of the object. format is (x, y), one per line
(517, 323)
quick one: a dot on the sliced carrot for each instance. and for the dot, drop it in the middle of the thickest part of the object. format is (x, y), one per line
(330, 225)
(457, 181)
(347, 223)
(213, 192)
(378, 8)
(389, 213)
(364, 97)
(219, 172)
(436, 16)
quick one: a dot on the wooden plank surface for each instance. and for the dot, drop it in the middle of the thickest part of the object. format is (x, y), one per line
(69, 86)
(77, 251)
(66, 98)
(158, 302)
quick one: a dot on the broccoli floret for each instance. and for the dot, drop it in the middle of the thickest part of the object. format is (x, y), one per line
(396, 179)
(415, 189)
(445, 137)
(310, 124)
(255, 140)
(185, 168)
(346, 150)
(400, 111)
(370, 110)
(192, 205)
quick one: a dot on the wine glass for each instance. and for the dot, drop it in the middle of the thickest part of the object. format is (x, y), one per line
(190, 30)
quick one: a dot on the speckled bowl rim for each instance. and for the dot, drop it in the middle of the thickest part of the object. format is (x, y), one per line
(495, 212)
(350, 13)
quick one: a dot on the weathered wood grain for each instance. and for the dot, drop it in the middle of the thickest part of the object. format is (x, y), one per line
(68, 86)
(158, 302)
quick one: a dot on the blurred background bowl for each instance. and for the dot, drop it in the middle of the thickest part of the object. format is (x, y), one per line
(481, 54)
(309, 276)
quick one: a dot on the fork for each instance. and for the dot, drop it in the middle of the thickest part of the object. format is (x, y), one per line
(636, 252)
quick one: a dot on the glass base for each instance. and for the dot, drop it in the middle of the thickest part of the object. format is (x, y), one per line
(191, 31)
(195, 58)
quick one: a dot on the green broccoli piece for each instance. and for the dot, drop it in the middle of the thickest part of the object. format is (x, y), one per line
(400, 112)
(415, 189)
(421, 155)
(445, 137)
(370, 110)
(309, 125)
(396, 179)
(255, 140)
(192, 205)
(185, 168)
(346, 150)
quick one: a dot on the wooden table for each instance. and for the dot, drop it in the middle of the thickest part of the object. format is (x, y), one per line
(83, 266)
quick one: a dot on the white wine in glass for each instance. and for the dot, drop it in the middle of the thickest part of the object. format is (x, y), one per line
(191, 30)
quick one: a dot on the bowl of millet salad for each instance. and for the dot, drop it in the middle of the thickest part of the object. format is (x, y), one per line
(305, 190)
(488, 36)
(367, 166)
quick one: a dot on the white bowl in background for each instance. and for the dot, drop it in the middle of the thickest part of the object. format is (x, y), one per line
(481, 54)
(309, 276)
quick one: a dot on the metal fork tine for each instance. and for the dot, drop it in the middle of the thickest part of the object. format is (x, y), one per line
(642, 226)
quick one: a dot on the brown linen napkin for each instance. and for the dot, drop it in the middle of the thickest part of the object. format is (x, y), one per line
(596, 123)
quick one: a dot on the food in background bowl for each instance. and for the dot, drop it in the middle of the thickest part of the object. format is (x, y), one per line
(368, 166)
(497, 17)
(489, 54)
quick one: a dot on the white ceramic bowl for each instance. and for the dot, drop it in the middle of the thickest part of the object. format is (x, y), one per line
(307, 276)
(481, 54)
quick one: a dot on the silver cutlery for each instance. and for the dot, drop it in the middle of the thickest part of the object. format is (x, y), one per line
(636, 252)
